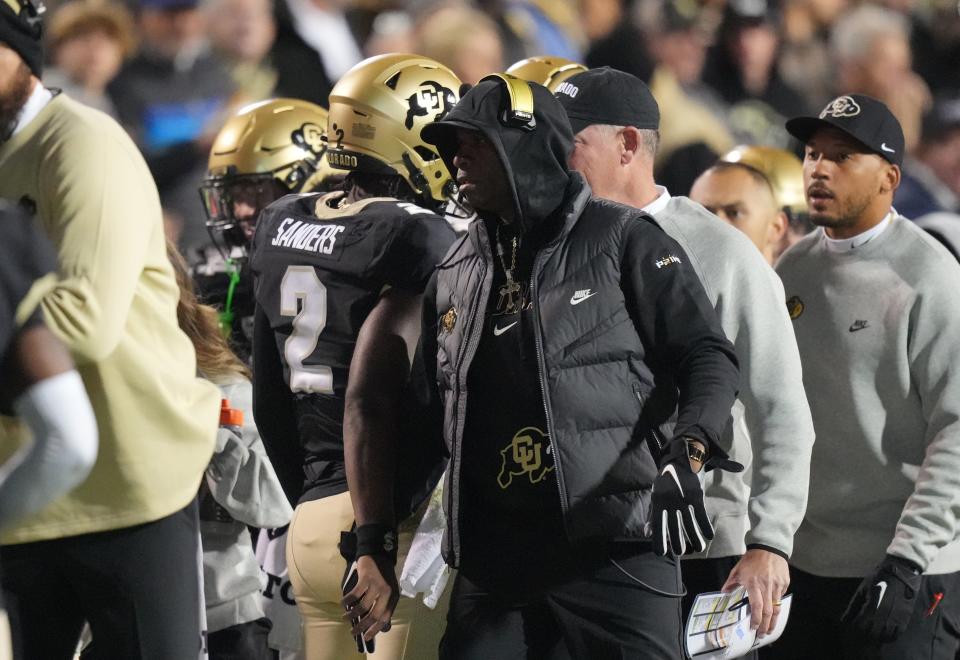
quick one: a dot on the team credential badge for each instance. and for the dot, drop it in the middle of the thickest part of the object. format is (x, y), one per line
(794, 308)
(527, 454)
(449, 320)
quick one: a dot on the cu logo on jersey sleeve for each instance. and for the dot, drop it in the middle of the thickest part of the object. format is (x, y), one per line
(431, 100)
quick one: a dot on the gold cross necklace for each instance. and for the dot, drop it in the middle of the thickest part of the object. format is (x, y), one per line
(509, 290)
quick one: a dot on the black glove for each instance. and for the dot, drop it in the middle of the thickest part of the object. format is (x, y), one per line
(677, 515)
(883, 603)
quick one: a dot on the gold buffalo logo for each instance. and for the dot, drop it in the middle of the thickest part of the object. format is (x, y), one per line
(309, 137)
(795, 307)
(431, 100)
(449, 320)
(525, 455)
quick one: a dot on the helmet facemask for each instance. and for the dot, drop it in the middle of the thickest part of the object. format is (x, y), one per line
(265, 151)
(233, 205)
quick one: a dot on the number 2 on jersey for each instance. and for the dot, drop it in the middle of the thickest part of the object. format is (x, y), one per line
(303, 296)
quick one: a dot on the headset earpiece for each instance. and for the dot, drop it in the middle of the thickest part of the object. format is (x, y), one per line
(519, 112)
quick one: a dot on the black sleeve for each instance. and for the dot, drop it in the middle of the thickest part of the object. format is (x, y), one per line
(273, 410)
(680, 330)
(414, 253)
(25, 256)
(423, 455)
(423, 377)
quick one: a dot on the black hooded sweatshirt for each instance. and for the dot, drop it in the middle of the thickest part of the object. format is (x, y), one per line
(622, 332)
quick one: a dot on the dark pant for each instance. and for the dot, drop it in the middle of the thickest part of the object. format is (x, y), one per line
(599, 613)
(815, 630)
(704, 575)
(244, 641)
(138, 587)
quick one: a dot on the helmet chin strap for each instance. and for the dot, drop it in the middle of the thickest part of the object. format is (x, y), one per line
(226, 315)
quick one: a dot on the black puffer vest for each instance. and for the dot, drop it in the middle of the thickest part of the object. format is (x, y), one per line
(591, 364)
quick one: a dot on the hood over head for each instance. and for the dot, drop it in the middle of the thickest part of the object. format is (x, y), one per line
(535, 160)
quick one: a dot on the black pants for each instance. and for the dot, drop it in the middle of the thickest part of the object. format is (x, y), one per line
(138, 587)
(703, 575)
(598, 614)
(244, 641)
(818, 603)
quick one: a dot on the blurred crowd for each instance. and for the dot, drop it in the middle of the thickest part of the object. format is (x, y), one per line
(724, 72)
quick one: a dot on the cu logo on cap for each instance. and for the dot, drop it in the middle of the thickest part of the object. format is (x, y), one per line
(842, 106)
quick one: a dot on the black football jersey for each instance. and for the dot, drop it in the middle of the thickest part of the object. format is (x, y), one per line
(214, 281)
(319, 270)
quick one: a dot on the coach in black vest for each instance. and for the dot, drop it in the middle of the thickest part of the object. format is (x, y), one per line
(584, 380)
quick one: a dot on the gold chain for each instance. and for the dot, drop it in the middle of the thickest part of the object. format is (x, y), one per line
(513, 256)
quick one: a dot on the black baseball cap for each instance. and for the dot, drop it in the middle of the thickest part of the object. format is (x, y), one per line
(608, 96)
(863, 118)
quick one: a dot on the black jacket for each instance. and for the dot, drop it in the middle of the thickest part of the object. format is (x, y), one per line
(624, 331)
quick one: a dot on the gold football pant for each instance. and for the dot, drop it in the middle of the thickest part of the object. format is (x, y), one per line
(316, 575)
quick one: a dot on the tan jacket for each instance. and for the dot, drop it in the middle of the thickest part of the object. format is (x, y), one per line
(113, 303)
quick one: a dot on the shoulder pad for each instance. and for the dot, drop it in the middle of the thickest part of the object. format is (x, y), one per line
(404, 208)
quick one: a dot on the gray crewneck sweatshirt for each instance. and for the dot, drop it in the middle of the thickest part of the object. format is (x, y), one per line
(772, 428)
(878, 328)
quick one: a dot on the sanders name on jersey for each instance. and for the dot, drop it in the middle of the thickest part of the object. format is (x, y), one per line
(307, 236)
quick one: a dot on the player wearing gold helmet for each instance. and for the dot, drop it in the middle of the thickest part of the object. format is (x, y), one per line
(267, 150)
(338, 284)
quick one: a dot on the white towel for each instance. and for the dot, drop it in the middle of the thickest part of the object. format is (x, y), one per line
(424, 570)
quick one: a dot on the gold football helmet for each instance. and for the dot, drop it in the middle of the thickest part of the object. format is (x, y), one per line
(783, 171)
(546, 70)
(377, 110)
(265, 151)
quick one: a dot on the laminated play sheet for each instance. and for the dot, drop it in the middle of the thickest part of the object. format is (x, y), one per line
(719, 626)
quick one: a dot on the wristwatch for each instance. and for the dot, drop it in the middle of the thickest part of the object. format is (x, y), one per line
(695, 453)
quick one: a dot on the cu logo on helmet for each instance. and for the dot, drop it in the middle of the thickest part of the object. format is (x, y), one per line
(431, 100)
(309, 137)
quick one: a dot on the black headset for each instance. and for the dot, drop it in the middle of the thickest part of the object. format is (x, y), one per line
(519, 112)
